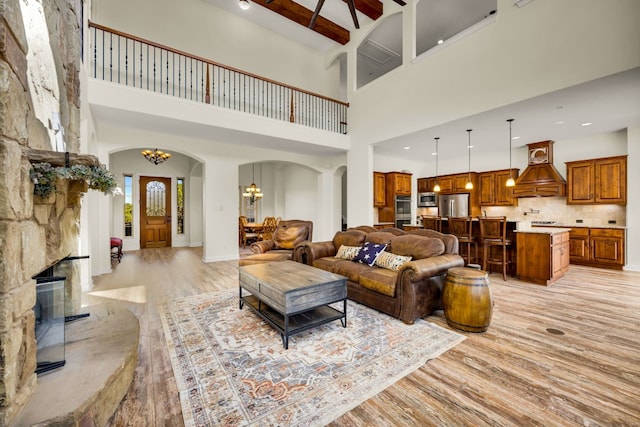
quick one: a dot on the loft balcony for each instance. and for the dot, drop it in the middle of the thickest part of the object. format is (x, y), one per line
(210, 94)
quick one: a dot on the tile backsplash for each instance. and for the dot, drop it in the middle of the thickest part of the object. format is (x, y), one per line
(556, 209)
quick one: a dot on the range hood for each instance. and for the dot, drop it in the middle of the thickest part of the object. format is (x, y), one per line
(540, 178)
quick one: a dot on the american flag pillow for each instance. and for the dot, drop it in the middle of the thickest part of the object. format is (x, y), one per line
(369, 252)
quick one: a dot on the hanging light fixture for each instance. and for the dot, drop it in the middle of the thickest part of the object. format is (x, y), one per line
(469, 184)
(252, 192)
(244, 4)
(510, 182)
(156, 156)
(436, 187)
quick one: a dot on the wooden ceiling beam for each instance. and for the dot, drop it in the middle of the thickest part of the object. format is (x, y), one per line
(301, 15)
(370, 8)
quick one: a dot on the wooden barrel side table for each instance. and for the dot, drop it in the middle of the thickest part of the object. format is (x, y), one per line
(467, 300)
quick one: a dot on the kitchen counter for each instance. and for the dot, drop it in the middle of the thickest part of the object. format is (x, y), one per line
(544, 230)
(542, 254)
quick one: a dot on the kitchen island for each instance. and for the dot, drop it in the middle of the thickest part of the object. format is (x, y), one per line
(542, 254)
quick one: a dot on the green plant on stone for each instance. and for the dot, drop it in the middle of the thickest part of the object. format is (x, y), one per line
(45, 176)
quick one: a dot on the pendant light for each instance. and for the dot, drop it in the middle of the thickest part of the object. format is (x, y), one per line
(469, 184)
(436, 187)
(510, 182)
(253, 192)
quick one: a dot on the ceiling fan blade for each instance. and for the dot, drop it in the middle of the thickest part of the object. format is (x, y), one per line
(352, 9)
(315, 14)
(268, 1)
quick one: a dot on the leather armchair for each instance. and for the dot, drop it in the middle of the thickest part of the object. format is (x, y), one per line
(287, 235)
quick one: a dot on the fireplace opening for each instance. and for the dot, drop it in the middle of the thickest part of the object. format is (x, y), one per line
(50, 318)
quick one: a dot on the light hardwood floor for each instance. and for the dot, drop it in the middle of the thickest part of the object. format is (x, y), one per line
(515, 374)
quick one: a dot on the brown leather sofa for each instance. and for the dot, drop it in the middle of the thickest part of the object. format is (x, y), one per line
(412, 292)
(287, 235)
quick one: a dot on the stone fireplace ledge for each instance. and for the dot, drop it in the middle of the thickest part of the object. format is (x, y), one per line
(101, 357)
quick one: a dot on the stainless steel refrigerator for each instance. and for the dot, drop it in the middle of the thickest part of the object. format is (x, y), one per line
(453, 205)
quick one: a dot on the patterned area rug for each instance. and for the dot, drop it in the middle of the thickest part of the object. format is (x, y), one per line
(232, 369)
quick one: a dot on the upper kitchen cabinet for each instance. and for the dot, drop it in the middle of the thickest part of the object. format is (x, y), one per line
(456, 183)
(494, 190)
(597, 181)
(399, 183)
(425, 185)
(379, 189)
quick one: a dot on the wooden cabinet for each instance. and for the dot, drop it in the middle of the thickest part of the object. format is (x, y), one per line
(597, 181)
(598, 247)
(494, 190)
(579, 245)
(400, 182)
(379, 189)
(396, 184)
(542, 257)
(425, 185)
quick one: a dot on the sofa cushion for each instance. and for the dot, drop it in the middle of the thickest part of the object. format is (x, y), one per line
(351, 270)
(381, 237)
(349, 238)
(391, 261)
(369, 252)
(348, 252)
(379, 280)
(290, 236)
(417, 247)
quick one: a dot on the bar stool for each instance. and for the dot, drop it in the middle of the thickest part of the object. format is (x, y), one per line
(493, 232)
(461, 227)
(432, 222)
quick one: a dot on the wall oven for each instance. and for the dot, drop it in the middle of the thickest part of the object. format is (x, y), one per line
(427, 200)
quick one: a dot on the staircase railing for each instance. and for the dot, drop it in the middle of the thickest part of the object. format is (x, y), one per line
(132, 61)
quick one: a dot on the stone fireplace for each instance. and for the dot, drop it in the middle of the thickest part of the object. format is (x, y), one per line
(40, 44)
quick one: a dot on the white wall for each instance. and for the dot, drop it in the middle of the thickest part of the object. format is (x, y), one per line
(131, 162)
(526, 52)
(196, 27)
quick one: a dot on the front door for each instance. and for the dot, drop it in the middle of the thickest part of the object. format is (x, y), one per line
(155, 212)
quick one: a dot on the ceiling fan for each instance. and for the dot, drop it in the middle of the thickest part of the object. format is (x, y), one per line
(316, 13)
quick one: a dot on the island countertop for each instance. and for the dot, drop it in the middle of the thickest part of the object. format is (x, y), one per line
(544, 230)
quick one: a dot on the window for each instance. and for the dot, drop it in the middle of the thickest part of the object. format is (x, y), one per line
(128, 205)
(180, 198)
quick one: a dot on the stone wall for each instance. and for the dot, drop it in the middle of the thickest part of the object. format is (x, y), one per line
(33, 233)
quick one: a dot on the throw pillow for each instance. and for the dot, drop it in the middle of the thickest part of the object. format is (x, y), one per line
(348, 252)
(369, 252)
(391, 261)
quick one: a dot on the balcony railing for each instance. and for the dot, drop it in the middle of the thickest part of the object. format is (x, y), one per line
(132, 61)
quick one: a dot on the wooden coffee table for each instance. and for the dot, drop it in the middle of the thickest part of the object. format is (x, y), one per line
(293, 297)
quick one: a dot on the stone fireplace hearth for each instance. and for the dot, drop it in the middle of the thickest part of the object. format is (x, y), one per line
(40, 82)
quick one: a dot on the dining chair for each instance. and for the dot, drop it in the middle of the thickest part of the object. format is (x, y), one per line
(269, 225)
(245, 236)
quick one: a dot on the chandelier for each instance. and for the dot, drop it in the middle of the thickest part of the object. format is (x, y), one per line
(156, 156)
(253, 192)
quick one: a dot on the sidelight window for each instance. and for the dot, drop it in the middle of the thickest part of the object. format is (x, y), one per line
(180, 197)
(128, 205)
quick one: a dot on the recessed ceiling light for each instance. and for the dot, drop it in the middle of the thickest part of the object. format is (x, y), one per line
(560, 123)
(586, 124)
(407, 148)
(440, 41)
(434, 154)
(469, 146)
(515, 137)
